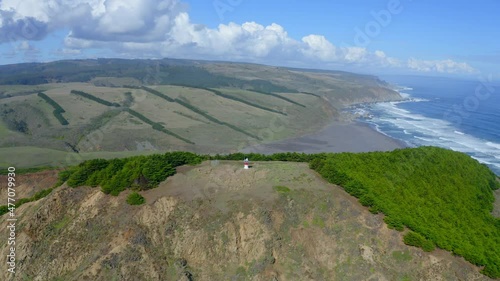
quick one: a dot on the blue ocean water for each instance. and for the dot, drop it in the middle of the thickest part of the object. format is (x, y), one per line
(462, 115)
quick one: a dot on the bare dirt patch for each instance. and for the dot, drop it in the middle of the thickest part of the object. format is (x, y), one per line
(29, 184)
(224, 181)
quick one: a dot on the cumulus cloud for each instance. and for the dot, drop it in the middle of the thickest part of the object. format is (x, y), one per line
(318, 47)
(442, 66)
(100, 20)
(162, 28)
(14, 29)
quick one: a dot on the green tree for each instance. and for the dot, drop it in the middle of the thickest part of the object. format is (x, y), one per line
(135, 198)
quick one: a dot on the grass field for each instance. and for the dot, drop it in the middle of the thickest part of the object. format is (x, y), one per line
(217, 123)
(226, 124)
(27, 157)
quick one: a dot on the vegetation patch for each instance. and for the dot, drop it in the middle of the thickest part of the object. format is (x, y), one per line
(21, 171)
(220, 94)
(129, 99)
(99, 121)
(62, 223)
(401, 256)
(278, 96)
(152, 91)
(230, 97)
(318, 221)
(283, 156)
(444, 197)
(39, 195)
(135, 198)
(156, 126)
(281, 189)
(191, 117)
(414, 239)
(311, 94)
(186, 104)
(116, 175)
(94, 98)
(58, 110)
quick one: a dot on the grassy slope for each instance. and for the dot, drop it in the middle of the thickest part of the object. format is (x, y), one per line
(30, 156)
(96, 127)
(242, 122)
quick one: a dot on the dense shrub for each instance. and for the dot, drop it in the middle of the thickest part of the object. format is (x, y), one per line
(187, 105)
(86, 169)
(156, 126)
(4, 209)
(394, 223)
(414, 239)
(116, 175)
(156, 169)
(135, 198)
(58, 110)
(237, 99)
(94, 98)
(197, 110)
(37, 196)
(113, 167)
(278, 96)
(444, 197)
(285, 156)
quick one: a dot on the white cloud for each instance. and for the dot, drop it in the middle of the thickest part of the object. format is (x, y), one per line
(24, 46)
(442, 66)
(355, 54)
(318, 47)
(162, 28)
(384, 60)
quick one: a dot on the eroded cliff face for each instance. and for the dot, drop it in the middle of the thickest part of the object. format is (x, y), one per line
(217, 221)
(29, 184)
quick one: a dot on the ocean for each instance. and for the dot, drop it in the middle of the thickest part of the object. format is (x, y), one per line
(462, 115)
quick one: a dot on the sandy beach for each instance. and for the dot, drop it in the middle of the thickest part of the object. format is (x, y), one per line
(336, 137)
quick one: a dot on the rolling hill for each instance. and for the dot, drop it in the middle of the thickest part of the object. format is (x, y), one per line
(67, 109)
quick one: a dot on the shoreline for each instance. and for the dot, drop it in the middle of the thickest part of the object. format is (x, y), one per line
(337, 136)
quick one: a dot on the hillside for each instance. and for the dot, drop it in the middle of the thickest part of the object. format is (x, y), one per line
(216, 221)
(64, 110)
(444, 198)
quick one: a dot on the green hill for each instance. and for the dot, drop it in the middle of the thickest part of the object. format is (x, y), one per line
(116, 105)
(437, 197)
(445, 198)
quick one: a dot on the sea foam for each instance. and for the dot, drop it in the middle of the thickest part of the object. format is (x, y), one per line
(418, 130)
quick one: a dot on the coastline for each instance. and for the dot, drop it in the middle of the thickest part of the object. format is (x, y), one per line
(338, 136)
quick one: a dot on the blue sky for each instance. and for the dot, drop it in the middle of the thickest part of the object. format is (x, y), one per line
(456, 38)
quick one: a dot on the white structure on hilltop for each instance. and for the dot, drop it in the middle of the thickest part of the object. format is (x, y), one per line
(245, 164)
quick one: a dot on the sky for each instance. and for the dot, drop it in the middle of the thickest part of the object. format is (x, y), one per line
(418, 37)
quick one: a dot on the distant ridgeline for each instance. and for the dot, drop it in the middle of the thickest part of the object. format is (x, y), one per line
(439, 197)
(151, 72)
